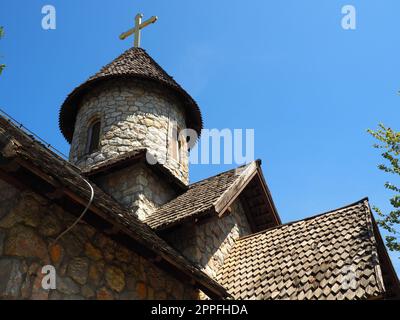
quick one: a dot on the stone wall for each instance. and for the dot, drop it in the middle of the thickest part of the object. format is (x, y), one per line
(137, 188)
(134, 114)
(89, 265)
(207, 244)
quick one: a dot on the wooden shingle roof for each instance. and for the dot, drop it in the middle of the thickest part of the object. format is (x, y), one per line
(214, 195)
(197, 200)
(330, 256)
(133, 63)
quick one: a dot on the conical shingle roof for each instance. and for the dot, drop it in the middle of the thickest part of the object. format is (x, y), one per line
(133, 63)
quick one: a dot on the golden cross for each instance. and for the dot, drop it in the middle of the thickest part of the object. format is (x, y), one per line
(136, 30)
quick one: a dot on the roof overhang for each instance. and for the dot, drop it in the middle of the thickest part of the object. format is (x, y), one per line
(253, 191)
(250, 187)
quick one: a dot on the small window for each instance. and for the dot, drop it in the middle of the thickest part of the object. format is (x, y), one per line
(176, 143)
(94, 136)
(179, 149)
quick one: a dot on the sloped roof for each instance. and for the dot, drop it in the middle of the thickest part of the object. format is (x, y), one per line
(133, 63)
(198, 199)
(210, 195)
(330, 256)
(35, 158)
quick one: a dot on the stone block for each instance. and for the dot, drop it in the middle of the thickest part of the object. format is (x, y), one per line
(104, 294)
(10, 278)
(115, 278)
(78, 270)
(92, 252)
(67, 286)
(23, 241)
(50, 226)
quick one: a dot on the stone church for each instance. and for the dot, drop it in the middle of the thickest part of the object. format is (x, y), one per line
(150, 234)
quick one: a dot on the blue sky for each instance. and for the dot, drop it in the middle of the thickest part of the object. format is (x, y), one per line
(285, 68)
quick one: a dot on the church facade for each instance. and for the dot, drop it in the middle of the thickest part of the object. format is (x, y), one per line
(115, 224)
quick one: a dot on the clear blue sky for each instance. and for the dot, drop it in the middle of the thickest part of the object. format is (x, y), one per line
(285, 68)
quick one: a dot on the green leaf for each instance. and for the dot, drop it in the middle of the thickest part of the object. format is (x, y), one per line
(389, 142)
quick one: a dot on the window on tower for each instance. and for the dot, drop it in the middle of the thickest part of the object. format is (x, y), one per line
(179, 151)
(94, 136)
(176, 143)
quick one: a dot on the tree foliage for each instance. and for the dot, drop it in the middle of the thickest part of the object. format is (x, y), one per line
(389, 143)
(1, 35)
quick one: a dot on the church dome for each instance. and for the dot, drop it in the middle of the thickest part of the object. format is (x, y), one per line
(134, 63)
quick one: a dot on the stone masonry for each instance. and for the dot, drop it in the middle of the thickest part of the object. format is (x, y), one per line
(208, 243)
(89, 265)
(134, 114)
(137, 188)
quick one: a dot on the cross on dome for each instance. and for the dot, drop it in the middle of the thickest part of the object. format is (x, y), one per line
(136, 30)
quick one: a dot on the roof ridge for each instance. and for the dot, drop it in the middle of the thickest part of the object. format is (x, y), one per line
(219, 174)
(306, 219)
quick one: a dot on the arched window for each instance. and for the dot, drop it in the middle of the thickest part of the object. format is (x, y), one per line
(94, 136)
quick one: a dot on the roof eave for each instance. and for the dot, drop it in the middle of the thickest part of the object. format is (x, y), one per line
(70, 107)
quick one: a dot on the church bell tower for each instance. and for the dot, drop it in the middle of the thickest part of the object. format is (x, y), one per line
(129, 106)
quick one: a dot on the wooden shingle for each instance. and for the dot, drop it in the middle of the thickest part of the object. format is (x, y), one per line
(347, 269)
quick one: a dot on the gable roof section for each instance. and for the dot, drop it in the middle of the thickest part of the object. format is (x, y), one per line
(27, 163)
(133, 63)
(330, 256)
(214, 195)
